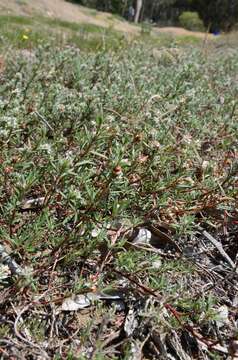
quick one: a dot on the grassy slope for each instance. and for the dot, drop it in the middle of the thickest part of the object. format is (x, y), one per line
(113, 138)
(27, 32)
(67, 11)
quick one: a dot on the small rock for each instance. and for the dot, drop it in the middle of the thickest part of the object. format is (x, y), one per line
(76, 303)
(143, 237)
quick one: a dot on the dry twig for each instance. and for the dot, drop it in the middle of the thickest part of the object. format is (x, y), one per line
(218, 246)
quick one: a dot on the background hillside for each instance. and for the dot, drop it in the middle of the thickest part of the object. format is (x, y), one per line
(214, 15)
(68, 11)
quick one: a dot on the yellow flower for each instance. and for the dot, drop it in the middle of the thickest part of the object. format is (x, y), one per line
(25, 37)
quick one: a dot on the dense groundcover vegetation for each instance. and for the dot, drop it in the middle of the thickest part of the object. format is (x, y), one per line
(96, 147)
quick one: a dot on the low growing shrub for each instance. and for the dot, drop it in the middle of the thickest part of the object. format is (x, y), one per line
(190, 20)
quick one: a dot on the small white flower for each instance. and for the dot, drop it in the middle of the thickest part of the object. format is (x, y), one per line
(9, 122)
(3, 133)
(69, 156)
(46, 147)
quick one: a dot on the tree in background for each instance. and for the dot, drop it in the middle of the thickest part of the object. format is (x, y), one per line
(216, 14)
(114, 6)
(138, 10)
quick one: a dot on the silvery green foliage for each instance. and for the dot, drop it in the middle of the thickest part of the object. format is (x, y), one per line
(96, 107)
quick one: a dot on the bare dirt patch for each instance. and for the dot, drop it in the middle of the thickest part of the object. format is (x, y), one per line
(177, 31)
